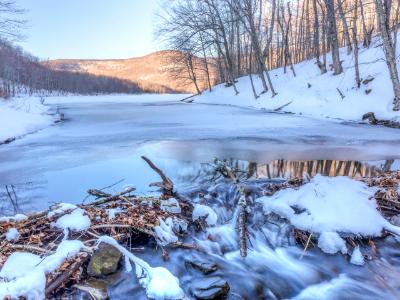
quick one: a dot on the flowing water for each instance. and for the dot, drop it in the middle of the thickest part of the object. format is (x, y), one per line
(100, 145)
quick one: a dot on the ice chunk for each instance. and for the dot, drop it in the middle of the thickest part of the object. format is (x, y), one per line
(357, 258)
(12, 235)
(203, 211)
(164, 232)
(171, 205)
(331, 243)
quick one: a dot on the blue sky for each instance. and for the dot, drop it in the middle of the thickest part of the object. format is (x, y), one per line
(90, 28)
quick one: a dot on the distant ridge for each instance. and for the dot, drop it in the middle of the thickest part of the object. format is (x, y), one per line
(150, 72)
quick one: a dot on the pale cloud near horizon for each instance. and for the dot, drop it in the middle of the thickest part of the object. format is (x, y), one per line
(90, 28)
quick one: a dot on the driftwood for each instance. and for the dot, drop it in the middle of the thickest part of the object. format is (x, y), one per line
(227, 172)
(108, 197)
(166, 184)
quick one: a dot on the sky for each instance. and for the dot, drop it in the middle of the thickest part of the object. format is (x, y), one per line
(90, 28)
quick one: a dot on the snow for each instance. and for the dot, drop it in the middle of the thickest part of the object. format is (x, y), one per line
(331, 243)
(12, 235)
(16, 218)
(61, 208)
(112, 212)
(76, 220)
(21, 116)
(164, 232)
(357, 258)
(27, 272)
(203, 211)
(116, 98)
(158, 282)
(171, 205)
(321, 100)
(328, 205)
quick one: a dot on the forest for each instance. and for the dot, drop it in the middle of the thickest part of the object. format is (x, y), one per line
(246, 37)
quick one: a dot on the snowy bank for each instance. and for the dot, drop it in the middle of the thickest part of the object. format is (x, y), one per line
(316, 95)
(21, 116)
(316, 207)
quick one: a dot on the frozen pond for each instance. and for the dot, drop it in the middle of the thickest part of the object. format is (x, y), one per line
(100, 143)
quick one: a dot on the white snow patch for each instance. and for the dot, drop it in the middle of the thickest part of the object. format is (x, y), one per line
(76, 221)
(337, 204)
(203, 211)
(60, 208)
(331, 243)
(12, 235)
(158, 282)
(357, 258)
(21, 116)
(27, 272)
(16, 218)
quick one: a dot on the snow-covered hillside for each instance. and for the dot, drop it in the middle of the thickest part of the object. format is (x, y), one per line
(21, 116)
(316, 95)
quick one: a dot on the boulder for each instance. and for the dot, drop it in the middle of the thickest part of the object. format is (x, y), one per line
(104, 261)
(210, 288)
(204, 266)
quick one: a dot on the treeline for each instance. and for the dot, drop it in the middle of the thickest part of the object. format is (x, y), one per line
(24, 73)
(243, 37)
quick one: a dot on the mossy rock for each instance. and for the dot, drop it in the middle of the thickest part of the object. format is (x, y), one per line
(104, 261)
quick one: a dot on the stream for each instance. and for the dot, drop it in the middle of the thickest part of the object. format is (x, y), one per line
(100, 143)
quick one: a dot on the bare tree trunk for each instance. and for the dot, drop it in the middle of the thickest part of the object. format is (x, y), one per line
(355, 46)
(330, 10)
(383, 14)
(345, 27)
(366, 39)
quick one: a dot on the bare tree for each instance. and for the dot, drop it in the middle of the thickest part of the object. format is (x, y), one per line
(383, 8)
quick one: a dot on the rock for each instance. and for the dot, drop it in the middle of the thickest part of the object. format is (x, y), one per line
(370, 116)
(95, 288)
(210, 288)
(204, 266)
(368, 80)
(104, 261)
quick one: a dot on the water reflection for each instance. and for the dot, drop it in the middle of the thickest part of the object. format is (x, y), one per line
(70, 185)
(292, 169)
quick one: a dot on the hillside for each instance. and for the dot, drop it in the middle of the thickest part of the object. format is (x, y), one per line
(323, 96)
(151, 72)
